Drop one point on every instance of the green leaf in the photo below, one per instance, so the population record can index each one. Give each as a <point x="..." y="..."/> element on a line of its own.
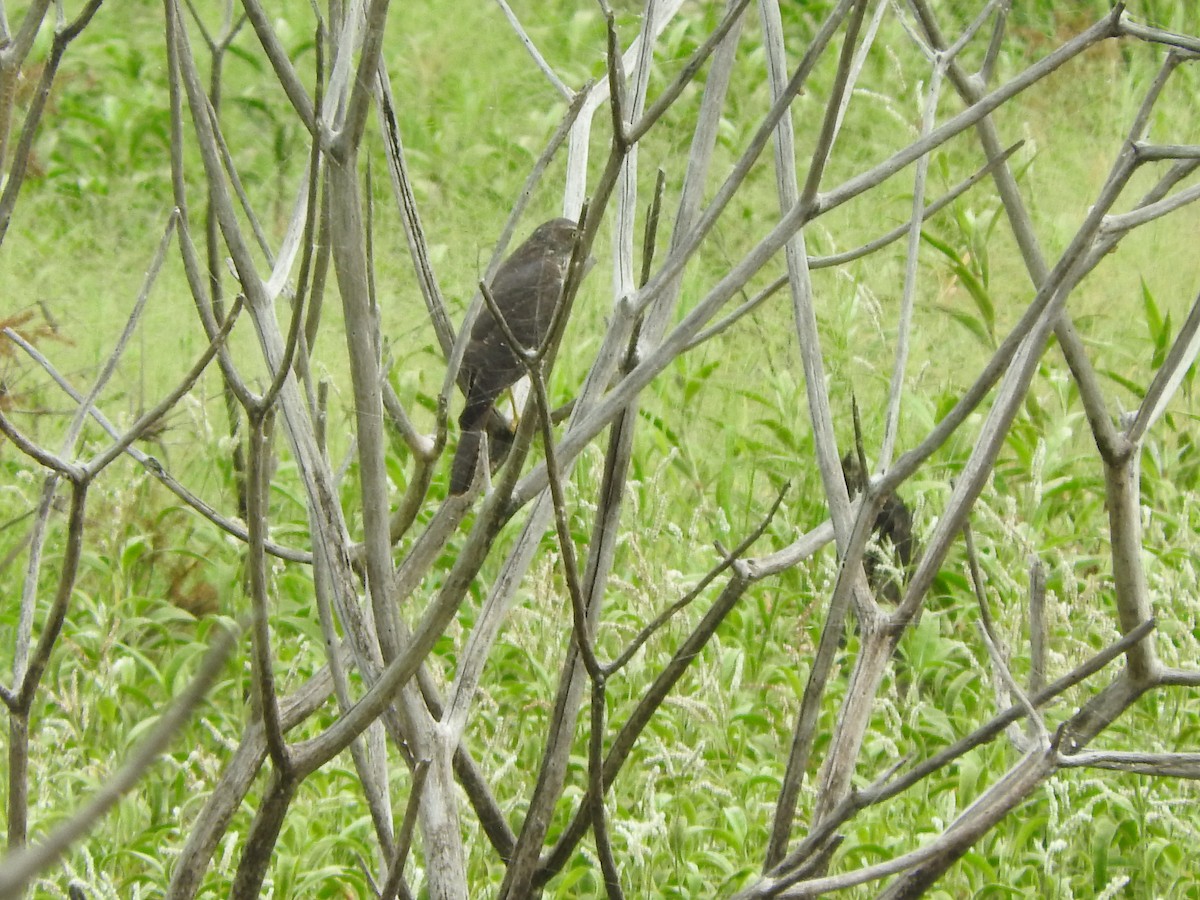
<point x="941" y="246"/>
<point x="969" y="322"/>
<point x="1129" y="384"/>
<point x="1154" y="320"/>
<point x="983" y="301"/>
<point x="1162" y="343"/>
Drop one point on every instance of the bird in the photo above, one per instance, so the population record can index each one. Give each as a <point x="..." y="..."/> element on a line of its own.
<point x="527" y="288"/>
<point x="892" y="526"/>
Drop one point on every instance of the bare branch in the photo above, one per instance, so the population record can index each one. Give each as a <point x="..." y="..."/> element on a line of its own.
<point x="622" y="743"/>
<point x="728" y="24"/>
<point x="1127" y="26"/>
<point x="1171" y="765"/>
<point x="20" y="46"/>
<point x="310" y="227"/>
<point x="258" y="851"/>
<point x="154" y="467"/>
<point x="608" y="865"/>
<point x="1037" y="625"/>
<point x="833" y="109"/>
<point x="230" y="790"/>
<point x="284" y="70"/>
<point x="407" y="202"/>
<point x="264" y="672"/>
<point x="982" y="735"/>
<point x="515" y="23"/>
<point x="38" y="454"/>
<point x="347" y="141"/>
<point x="21" y="866"/>
<point x="993" y="643"/>
<point x="728" y="559"/>
<point x="153" y="415"/>
<point x="391" y="573"/>
<point x="11" y="59"/>
<point x="394" y="886"/>
<point x="908" y="297"/>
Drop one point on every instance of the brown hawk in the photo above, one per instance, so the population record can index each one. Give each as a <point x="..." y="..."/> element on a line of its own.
<point x="526" y="288"/>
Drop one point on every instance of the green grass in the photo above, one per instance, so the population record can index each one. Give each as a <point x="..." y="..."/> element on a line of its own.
<point x="692" y="810"/>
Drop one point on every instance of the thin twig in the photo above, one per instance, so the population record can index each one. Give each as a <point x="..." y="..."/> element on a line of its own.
<point x="908" y="295"/>
<point x="394" y="885"/>
<point x="837" y="259"/>
<point x="13" y="56"/>
<point x="39" y="454"/>
<point x="1127" y="26"/>
<point x="996" y="44"/>
<point x="257" y="486"/>
<point x="838" y="90"/>
<point x="980" y="736"/>
<point x="295" y="329"/>
<point x="731" y="18"/>
<point x="1171" y="765"/>
<point x="652" y="698"/>
<point x="293" y="87"/>
<point x="21" y="866"/>
<point x="361" y="87"/>
<point x="562" y="525"/>
<point x="850" y="580"/>
<point x="992" y="642"/>
<point x="154" y="467"/>
<point x="1037" y="625"/>
<point x="727" y="560"/>
<point x="406" y="201"/>
<point x="146" y="421"/>
<point x="608" y="864"/>
<point x="540" y="61"/>
<point x="235" y="181"/>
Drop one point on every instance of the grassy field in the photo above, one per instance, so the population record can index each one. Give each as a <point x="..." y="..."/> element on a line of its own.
<point x="691" y="814"/>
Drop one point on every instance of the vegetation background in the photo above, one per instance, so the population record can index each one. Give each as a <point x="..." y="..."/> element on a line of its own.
<point x="155" y="577"/>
